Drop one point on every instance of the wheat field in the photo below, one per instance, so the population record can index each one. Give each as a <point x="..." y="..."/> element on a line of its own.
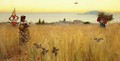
<point x="75" y="43"/>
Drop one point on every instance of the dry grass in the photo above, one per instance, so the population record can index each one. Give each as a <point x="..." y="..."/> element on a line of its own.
<point x="75" y="42"/>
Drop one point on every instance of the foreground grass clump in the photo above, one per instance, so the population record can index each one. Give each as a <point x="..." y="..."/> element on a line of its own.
<point x="75" y="43"/>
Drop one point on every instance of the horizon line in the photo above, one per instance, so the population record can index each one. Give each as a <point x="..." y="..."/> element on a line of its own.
<point x="62" y="11"/>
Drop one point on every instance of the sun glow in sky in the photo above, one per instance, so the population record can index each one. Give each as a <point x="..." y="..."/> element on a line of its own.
<point x="59" y="5"/>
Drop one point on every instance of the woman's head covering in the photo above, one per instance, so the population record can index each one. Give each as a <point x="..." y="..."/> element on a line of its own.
<point x="23" y="18"/>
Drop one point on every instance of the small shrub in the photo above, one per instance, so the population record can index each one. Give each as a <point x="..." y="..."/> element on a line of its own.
<point x="86" y="23"/>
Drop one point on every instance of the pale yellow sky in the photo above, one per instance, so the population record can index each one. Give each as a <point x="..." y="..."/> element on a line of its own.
<point x="59" y="5"/>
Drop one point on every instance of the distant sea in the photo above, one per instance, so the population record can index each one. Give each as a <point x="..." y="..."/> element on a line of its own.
<point x="54" y="17"/>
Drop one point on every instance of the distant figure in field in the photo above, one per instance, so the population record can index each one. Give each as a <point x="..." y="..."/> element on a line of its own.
<point x="24" y="32"/>
<point x="102" y="21"/>
<point x="104" y="18"/>
<point x="13" y="18"/>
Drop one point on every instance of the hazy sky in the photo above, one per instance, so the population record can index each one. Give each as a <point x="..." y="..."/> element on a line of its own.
<point x="59" y="5"/>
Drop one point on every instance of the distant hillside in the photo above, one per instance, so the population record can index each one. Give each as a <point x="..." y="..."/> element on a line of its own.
<point x="91" y="12"/>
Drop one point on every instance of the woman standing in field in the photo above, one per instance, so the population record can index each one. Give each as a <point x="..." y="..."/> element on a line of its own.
<point x="24" y="32"/>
